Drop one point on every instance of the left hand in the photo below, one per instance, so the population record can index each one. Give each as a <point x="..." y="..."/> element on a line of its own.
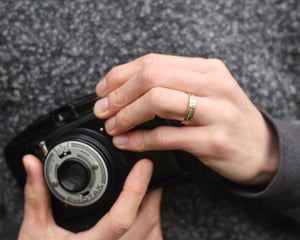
<point x="134" y="215"/>
<point x="227" y="132"/>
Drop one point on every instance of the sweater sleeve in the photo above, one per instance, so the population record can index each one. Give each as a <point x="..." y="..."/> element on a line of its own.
<point x="283" y="192"/>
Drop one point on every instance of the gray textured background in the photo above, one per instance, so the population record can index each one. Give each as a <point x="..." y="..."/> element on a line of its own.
<point x="54" y="51"/>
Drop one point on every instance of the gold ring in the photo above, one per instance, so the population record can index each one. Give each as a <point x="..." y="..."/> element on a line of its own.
<point x="191" y="109"/>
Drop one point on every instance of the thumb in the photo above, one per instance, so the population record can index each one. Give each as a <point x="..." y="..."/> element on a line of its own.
<point x="37" y="199"/>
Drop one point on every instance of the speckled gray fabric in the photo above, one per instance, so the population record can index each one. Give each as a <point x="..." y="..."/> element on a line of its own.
<point x="54" y="51"/>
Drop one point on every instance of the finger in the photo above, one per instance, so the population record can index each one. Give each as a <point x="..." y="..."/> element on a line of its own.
<point x="116" y="77"/>
<point x="148" y="219"/>
<point x="158" y="101"/>
<point x="170" y="138"/>
<point x="164" y="103"/>
<point x="37" y="200"/>
<point x="120" y="74"/>
<point x="123" y="213"/>
<point x="151" y="77"/>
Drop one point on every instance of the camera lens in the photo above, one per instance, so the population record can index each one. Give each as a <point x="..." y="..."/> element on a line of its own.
<point x="73" y="175"/>
<point x="76" y="173"/>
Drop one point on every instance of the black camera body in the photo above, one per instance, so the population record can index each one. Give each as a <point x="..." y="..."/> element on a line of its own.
<point x="83" y="170"/>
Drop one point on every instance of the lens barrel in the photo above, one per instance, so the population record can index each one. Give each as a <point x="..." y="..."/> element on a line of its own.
<point x="76" y="172"/>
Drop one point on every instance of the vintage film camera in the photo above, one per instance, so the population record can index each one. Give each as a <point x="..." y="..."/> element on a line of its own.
<point x="83" y="170"/>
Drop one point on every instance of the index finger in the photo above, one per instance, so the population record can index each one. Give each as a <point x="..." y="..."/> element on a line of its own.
<point x="123" y="213"/>
<point x="120" y="74"/>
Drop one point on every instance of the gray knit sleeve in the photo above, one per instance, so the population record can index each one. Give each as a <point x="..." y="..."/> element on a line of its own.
<point x="283" y="192"/>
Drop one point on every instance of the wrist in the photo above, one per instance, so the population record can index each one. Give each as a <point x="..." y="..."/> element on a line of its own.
<point x="269" y="163"/>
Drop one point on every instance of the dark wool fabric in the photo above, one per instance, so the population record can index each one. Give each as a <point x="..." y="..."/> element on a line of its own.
<point x="54" y="51"/>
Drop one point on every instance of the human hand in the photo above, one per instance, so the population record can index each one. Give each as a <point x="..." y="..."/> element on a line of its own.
<point x="227" y="132"/>
<point x="133" y="216"/>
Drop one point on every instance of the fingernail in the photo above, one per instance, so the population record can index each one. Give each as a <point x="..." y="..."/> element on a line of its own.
<point x="120" y="141"/>
<point x="146" y="170"/>
<point x="110" y="124"/>
<point x="101" y="87"/>
<point x="101" y="106"/>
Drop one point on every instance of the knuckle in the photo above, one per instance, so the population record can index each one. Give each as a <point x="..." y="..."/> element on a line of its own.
<point x="139" y="141"/>
<point x="31" y="196"/>
<point x="149" y="74"/>
<point x="154" y="97"/>
<point x="150" y="58"/>
<point x="217" y="63"/>
<point x="228" y="86"/>
<point x="117" y="99"/>
<point x="220" y="142"/>
<point x="114" y="73"/>
<point x="161" y="138"/>
<point x="199" y="60"/>
<point x="123" y="119"/>
<point x="121" y="225"/>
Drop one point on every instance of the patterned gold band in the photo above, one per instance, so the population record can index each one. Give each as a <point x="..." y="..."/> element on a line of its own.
<point x="191" y="109"/>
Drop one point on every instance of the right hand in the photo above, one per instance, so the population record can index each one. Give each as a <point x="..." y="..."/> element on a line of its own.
<point x="134" y="215"/>
<point x="227" y="133"/>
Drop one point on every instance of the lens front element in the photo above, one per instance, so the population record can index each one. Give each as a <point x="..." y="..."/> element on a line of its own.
<point x="73" y="175"/>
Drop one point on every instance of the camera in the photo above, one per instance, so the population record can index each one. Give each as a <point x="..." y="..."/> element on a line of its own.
<point x="82" y="169"/>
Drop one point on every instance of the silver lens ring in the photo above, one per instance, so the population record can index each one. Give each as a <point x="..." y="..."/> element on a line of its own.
<point x="96" y="166"/>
